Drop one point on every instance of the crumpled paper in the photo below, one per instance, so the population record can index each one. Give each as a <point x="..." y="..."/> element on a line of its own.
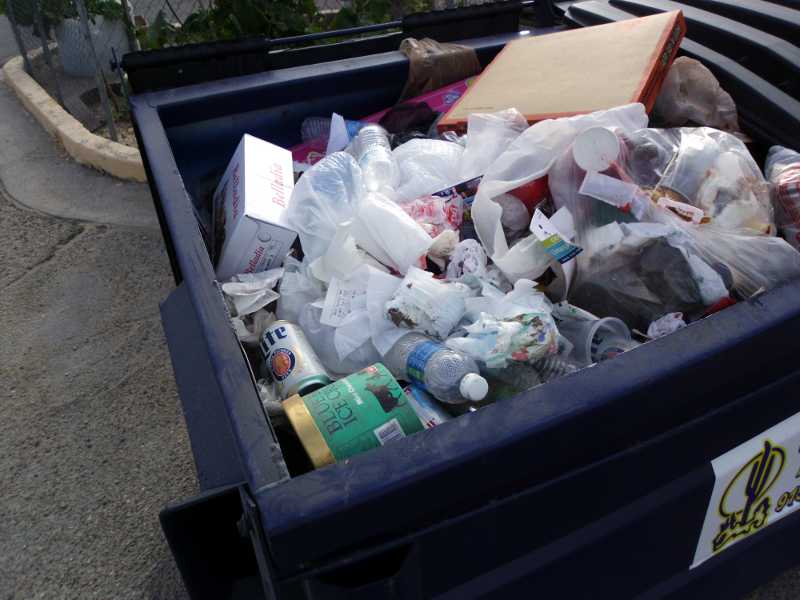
<point x="665" y="325"/>
<point x="248" y="292"/>
<point x="508" y="328"/>
<point x="423" y="303"/>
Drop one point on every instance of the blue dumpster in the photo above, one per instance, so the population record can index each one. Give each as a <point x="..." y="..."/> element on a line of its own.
<point x="595" y="485"/>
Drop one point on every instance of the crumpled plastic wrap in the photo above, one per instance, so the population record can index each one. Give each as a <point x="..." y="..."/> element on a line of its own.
<point x="250" y="327"/>
<point x="433" y="65"/>
<point x="525" y="339"/>
<point x="691" y="94"/>
<point x="423" y="303"/>
<point x="468" y="258"/>
<point x="436" y="214"/>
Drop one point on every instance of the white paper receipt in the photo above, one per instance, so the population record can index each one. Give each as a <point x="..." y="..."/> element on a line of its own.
<point x="342" y="299"/>
<point x="755" y="484"/>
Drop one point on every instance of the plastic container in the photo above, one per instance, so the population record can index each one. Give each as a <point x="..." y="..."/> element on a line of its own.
<point x="596" y="340"/>
<point x="590" y="485"/>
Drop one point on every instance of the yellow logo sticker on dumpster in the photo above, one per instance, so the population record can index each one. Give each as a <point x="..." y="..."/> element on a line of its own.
<point x="756" y="484"/>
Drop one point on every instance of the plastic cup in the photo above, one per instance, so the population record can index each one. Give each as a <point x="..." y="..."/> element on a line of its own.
<point x="596" y="149"/>
<point x="597" y="339"/>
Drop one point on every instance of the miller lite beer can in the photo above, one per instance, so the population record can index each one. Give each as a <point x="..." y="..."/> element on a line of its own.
<point x="291" y="361"/>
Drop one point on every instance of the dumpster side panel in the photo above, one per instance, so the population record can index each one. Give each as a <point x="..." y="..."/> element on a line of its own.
<point x="572" y="421"/>
<point x="255" y="441"/>
<point x="213" y="444"/>
<point x="613" y="522"/>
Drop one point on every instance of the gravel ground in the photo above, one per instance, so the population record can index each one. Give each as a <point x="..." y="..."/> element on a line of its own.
<point x="92" y="440"/>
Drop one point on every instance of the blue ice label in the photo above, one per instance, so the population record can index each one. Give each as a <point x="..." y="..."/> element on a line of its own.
<point x="418" y="359"/>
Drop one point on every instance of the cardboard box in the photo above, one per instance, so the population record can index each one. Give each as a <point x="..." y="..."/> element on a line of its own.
<point x="250" y="229"/>
<point x="575" y="72"/>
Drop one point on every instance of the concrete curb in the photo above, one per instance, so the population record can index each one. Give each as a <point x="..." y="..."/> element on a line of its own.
<point x="81" y="144"/>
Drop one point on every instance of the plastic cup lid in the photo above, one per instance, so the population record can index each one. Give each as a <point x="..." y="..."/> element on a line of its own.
<point x="596" y="149"/>
<point x="473" y="387"/>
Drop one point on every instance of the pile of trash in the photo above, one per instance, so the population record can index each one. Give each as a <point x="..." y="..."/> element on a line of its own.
<point x="437" y="273"/>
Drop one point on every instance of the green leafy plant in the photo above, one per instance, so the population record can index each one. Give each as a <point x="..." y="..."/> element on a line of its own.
<point x="55" y="11"/>
<point x="232" y="19"/>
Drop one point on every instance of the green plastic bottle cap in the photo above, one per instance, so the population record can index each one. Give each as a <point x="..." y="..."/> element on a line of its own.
<point x="473" y="387"/>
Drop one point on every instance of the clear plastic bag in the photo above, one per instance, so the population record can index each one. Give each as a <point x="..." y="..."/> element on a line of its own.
<point x="636" y="272"/>
<point x="426" y="166"/>
<point x="713" y="170"/>
<point x="783" y="172"/>
<point x="529" y="157"/>
<point x="297" y="289"/>
<point x="323" y="340"/>
<point x="325" y="196"/>
<point x="489" y="134"/>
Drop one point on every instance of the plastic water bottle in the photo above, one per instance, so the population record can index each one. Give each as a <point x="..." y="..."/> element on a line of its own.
<point x="374" y="155"/>
<point x="555" y="366"/>
<point x="449" y="375"/>
<point x="313" y="128"/>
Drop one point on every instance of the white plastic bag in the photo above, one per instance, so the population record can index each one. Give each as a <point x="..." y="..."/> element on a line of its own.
<point x="530" y="157"/>
<point x="325" y="196"/>
<point x="384" y="230"/>
<point x="488" y="136"/>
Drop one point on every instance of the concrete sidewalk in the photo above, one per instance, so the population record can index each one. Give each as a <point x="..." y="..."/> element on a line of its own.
<point x="92" y="439"/>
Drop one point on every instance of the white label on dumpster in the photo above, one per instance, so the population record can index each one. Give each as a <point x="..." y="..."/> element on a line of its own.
<point x="756" y="484"/>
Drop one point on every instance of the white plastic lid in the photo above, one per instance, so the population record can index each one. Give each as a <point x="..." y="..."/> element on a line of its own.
<point x="595" y="149"/>
<point x="473" y="387"/>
